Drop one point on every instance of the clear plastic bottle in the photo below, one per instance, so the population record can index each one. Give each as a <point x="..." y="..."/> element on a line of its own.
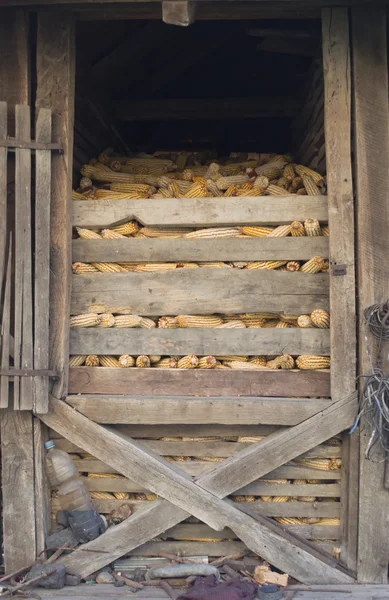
<point x="73" y="495"/>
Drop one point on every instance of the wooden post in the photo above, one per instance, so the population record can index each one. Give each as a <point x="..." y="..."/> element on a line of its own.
<point x="370" y="71"/>
<point x="55" y="90"/>
<point x="337" y="113"/>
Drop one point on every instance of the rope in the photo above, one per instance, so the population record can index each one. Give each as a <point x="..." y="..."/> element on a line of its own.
<point x="374" y="398"/>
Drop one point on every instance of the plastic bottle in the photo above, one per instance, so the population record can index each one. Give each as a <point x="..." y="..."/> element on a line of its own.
<point x="73" y="495"/>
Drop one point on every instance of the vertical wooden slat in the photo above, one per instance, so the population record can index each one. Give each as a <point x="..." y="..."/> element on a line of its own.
<point x="42" y="260"/>
<point x="23" y="276"/>
<point x="3" y="193"/>
<point x="337" y="112"/>
<point x="6" y="332"/>
<point x="371" y="120"/>
<point x="55" y="90"/>
<point x="42" y="486"/>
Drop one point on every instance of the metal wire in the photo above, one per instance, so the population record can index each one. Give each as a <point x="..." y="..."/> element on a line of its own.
<point x="374" y="398"/>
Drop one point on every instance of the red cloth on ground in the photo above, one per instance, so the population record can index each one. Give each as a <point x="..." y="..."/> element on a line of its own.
<point x="208" y="588"/>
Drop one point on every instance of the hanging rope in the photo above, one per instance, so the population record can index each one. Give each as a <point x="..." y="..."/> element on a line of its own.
<point x="374" y="400"/>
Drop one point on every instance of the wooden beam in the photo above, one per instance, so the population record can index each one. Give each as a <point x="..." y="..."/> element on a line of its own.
<point x="337" y="112"/>
<point x="371" y="136"/>
<point x="185" y="495"/>
<point x="174" y="109"/>
<point x="179" y="12"/>
<point x="226" y="410"/>
<point x="55" y="90"/>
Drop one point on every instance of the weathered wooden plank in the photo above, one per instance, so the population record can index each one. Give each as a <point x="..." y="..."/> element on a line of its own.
<point x="55" y="91"/>
<point x="184" y="291"/>
<point x="42" y="260"/>
<point x="23" y="280"/>
<point x="199" y="250"/>
<point x="187" y="531"/>
<point x="371" y="136"/>
<point x="202" y="342"/>
<point x="3" y="196"/>
<point x="201" y="212"/>
<point x="42" y="486"/>
<point x="223" y="409"/>
<point x="337" y="105"/>
<point x="6" y="330"/>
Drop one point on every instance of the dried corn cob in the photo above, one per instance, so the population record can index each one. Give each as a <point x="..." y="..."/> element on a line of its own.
<point x="87" y="234"/>
<point x="92" y="361"/>
<point x="314" y="265"/>
<point x="249" y="193"/>
<point x="258" y="360"/>
<point x="199" y="321"/>
<point x="143" y="362"/>
<point x="84" y="320"/>
<point x="109" y="267"/>
<point x="81" y="268"/>
<point x="240" y="264"/>
<point x="215" y="232"/>
<point x="76" y="360"/>
<point x="325" y="230"/>
<point x="212" y="188"/>
<point x="187" y="266"/>
<point x="320" y="318"/>
<point x="85" y="182"/>
<point x="293" y="265"/>
<point x="312" y="227"/>
<point x="168" y="322"/>
<point x="197" y="190"/>
<point x="261" y="182"/>
<point x="288" y="520"/>
<point x="310" y="186"/>
<point x="231" y="191"/>
<point x="297" y="184"/>
<point x="329" y="521"/>
<point x="269" y="323"/>
<point x="297" y="229"/>
<point x="301" y="192"/>
<point x="313" y="362"/>
<point x="126" y="361"/>
<point x="109" y="361"/>
<point x="171" y="232"/>
<point x="271" y="171"/>
<point x="326" y="266"/>
<point x="282" y="325"/>
<point x="275" y="498"/>
<point x="187" y="175"/>
<point x="207" y="362"/>
<point x="257" y="231"/>
<point x="232" y="325"/>
<point x="289" y="172"/>
<point x="147" y="323"/>
<point x="215" y="265"/>
<point x="304" y="321"/>
<point x="106" y="320"/>
<point x="275" y="190"/>
<point x="280" y="231"/>
<point x="321" y="464"/>
<point x="302" y="170"/>
<point x="289" y="318"/>
<point x="266" y="264"/>
<point x="283" y="182"/>
<point x="108" y="234"/>
<point x="230" y="358"/>
<point x="237" y="364"/>
<point x="223" y="183"/>
<point x="142" y="189"/>
<point x="102" y="173"/>
<point x="151" y="267"/>
<point x="188" y="362"/>
<point x="101" y="495"/>
<point x="166" y="363"/>
<point x="78" y="196"/>
<point x="127" y="321"/>
<point x="126" y="228"/>
<point x="154" y="359"/>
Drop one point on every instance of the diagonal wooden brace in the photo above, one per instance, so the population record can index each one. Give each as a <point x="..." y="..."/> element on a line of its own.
<point x="155" y="473"/>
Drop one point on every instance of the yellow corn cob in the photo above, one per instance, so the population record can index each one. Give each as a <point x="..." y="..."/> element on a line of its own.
<point x="326" y="266"/>
<point x="151" y="267"/>
<point x="258" y="360"/>
<point x="127" y="321"/>
<point x="84" y="320"/>
<point x="289" y="520"/>
<point x="271" y="171"/>
<point x="301" y="192"/>
<point x="329" y="521"/>
<point x="187" y="175"/>
<point x="320" y="318"/>
<point x="168" y="322"/>
<point x="297" y="229"/>
<point x="126" y="361"/>
<point x="174" y="190"/>
<point x="310" y="186"/>
<point x="275" y="363"/>
<point x="108" y="234"/>
<point x="292" y="319"/>
<point x="188" y="362"/>
<point x="289" y="172"/>
<point x="145" y="161"/>
<point x="302" y="170"/>
<point x="166" y="363"/>
<point x="245" y="317"/>
<point x="147" y="323"/>
<point x="199" y="321"/>
<point x="297" y="184"/>
<point x="313" y="362"/>
<point x="275" y="498"/>
<point x="249" y="193"/>
<point x="280" y="231"/>
<point x="171" y="232"/>
<point x="106" y="320"/>
<point x="76" y="361"/>
<point x="266" y="264"/>
<point x="321" y="464"/>
<point x="122" y="495"/>
<point x="109" y="361"/>
<point x="199" y="179"/>
<point x="213" y="189"/>
<point x="136" y="188"/>
<point x="282" y="325"/>
<point x="312" y="227"/>
<point x="237" y="364"/>
<point x="128" y="266"/>
<point x="143" y="361"/>
<point x="154" y="359"/>
<point x="269" y="323"/>
<point x="197" y="190"/>
<point x="261" y="182"/>
<point x="102" y="173"/>
<point x="223" y="183"/>
<point x="304" y="321"/>
<point x="231" y="358"/>
<point x="215" y="232"/>
<point x="243" y="498"/>
<point x="232" y="325"/>
<point x="219" y="365"/>
<point x="164" y="193"/>
<point x="215" y="265"/>
<point x="127" y="228"/>
<point x="314" y="265"/>
<point x="187" y="266"/>
<point x="207" y="362"/>
<point x="101" y="495"/>
<point x="293" y="265"/>
<point x="256" y="231"/>
<point x="85" y="182"/>
<point x="325" y="230"/>
<point x="110" y="195"/>
<point x="240" y="264"/>
<point x="283" y="182"/>
<point x="115" y="165"/>
<point x="286" y="361"/>
<point x="92" y="361"/>
<point x="231" y="191"/>
<point x="88" y="234"/>
<point x="81" y="268"/>
<point x="109" y="267"/>
<point x="78" y="196"/>
<point x="275" y="190"/>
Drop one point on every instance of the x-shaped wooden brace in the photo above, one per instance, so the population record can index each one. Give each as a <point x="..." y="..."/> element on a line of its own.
<point x="204" y="497"/>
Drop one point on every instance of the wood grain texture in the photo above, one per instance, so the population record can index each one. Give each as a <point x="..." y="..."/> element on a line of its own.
<point x="337" y="104"/>
<point x="55" y="91"/>
<point x="42" y="259"/>
<point x="202" y="342"/>
<point x="6" y="331"/>
<point x="370" y="71"/>
<point x="200" y="250"/>
<point x="204" y="212"/>
<point x="187" y="291"/>
<point x="223" y="383"/>
<point x="42" y="486"/>
<point x="3" y="196"/>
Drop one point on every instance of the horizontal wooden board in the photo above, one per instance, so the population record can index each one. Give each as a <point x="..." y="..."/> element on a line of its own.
<point x="187" y="531"/>
<point x="202" y="342"/>
<point x="245" y="409"/>
<point x="199" y="250"/>
<point x="188" y="291"/>
<point x="201" y="212"/>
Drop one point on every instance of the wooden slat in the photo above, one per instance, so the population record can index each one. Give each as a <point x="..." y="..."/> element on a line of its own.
<point x="204" y="212"/>
<point x="371" y="134"/>
<point x="3" y="196"/>
<point x="6" y="331"/>
<point x="187" y="291"/>
<point x="55" y="90"/>
<point x="42" y="260"/>
<point x="223" y="409"/>
<point x="42" y="486"/>
<point x="337" y="84"/>
<point x="224" y="383"/>
<point x="199" y="250"/>
<point x="94" y="340"/>
<point x="23" y="390"/>
<point x="187" y="531"/>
